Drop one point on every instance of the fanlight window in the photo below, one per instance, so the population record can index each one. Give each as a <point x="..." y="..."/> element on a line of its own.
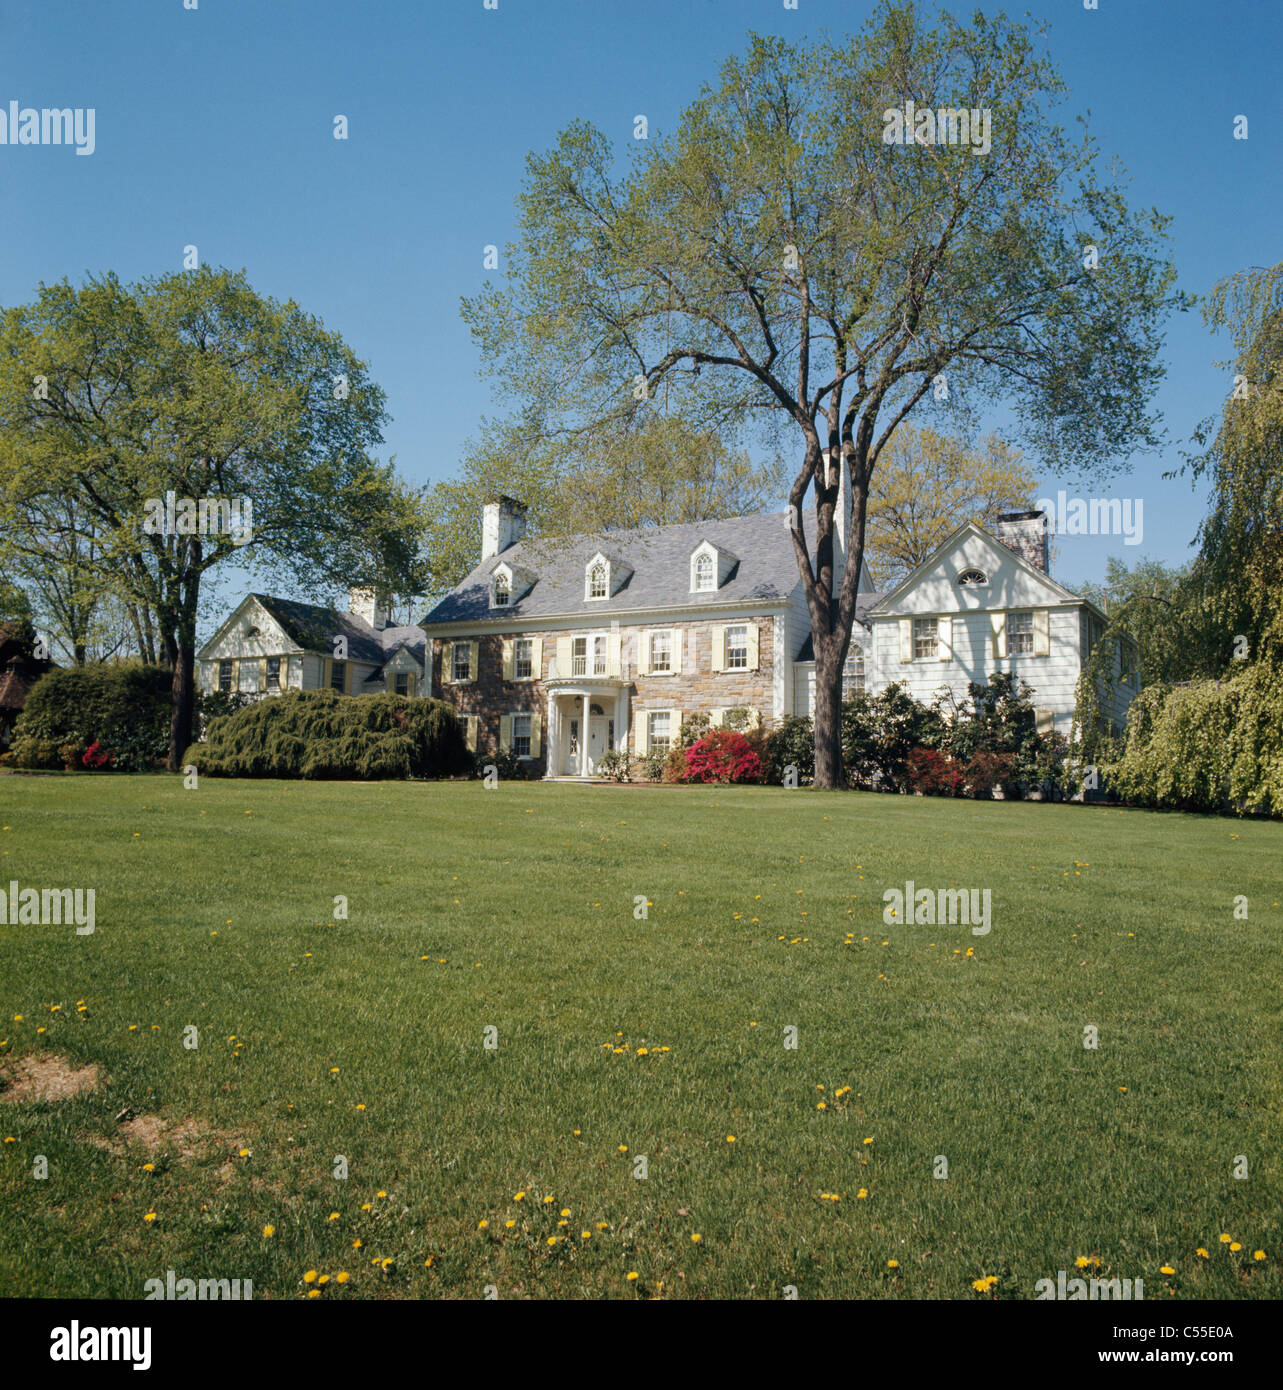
<point x="973" y="579"/>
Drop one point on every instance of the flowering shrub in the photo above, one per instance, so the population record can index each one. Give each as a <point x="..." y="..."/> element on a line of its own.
<point x="722" y="756"/>
<point x="933" y="773"/>
<point x="987" y="770"/>
<point x="96" y="756"/>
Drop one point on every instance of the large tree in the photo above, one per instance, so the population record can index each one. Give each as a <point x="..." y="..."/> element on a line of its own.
<point x="777" y="260"/>
<point x="113" y="397"/>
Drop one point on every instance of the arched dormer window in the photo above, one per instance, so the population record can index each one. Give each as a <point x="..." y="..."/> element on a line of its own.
<point x="502" y="591"/>
<point x="973" y="579"/>
<point x="598" y="580"/>
<point x="705" y="572"/>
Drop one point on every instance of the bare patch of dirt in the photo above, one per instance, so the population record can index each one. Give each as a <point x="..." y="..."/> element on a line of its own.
<point x="188" y="1138"/>
<point x="49" y="1076"/>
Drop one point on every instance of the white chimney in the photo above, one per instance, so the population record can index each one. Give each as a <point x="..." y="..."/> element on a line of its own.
<point x="503" y="523"/>
<point x="369" y="604"/>
<point x="1026" y="534"/>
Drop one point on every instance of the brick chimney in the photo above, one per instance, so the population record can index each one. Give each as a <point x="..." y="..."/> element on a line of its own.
<point x="503" y="523"/>
<point x="371" y="605"/>
<point x="1026" y="534"/>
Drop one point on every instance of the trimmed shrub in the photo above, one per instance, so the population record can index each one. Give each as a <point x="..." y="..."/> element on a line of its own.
<point x="124" y="709"/>
<point x="934" y="773"/>
<point x="615" y="764"/>
<point x="319" y="734"/>
<point x="722" y="756"/>
<point x="790" y="744"/>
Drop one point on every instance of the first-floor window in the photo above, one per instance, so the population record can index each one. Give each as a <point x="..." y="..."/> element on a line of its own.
<point x="462" y="660"/>
<point x="225" y="675"/>
<point x="522" y="657"/>
<point x="338" y="676"/>
<point x="521" y="735"/>
<point x="401" y="683"/>
<point x="273" y="672"/>
<point x="736" y="648"/>
<point x="1020" y="634"/>
<point x="659" y="732"/>
<point x="926" y="636"/>
<point x="661" y="652"/>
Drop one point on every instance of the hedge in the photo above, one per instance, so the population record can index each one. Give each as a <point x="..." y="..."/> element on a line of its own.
<point x="322" y="734"/>
<point x="123" y="708"/>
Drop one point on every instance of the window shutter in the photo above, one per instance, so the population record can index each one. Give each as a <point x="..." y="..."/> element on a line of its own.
<point x="470" y="731"/>
<point x="719" y="649"/>
<point x="535" y="723"/>
<point x="536" y="658"/>
<point x="613" y="667"/>
<point x="675" y="646"/>
<point x="639" y="733"/>
<point x="505" y="733"/>
<point x="565" y="659"/>
<point x="1042" y="632"/>
<point x="447" y="663"/>
<point x="262" y="673"/>
<point x="906" y="639"/>
<point x="643" y="653"/>
<point x="674" y="727"/>
<point x="507" y="659"/>
<point x="752" y="646"/>
<point x="409" y="684"/>
<point x="1046" y="720"/>
<point x="347" y="677"/>
<point x="474" y="653"/>
<point x="998" y="621"/>
<point x="944" y="639"/>
<point x="327" y="670"/>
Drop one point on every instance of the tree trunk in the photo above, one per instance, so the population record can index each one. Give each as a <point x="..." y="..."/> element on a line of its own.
<point x="828" y="718"/>
<point x="183" y="711"/>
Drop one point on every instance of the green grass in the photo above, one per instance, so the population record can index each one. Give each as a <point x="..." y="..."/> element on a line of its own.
<point x="214" y="908"/>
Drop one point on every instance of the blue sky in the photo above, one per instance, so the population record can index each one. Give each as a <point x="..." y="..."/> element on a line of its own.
<point x="214" y="127"/>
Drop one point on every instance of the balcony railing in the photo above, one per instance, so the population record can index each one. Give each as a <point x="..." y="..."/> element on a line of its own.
<point x="589" y="668"/>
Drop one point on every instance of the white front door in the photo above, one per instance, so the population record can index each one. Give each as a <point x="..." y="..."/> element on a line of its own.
<point x="570" y="767"/>
<point x="597" y="742"/>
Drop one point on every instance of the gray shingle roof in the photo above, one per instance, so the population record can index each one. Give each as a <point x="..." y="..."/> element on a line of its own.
<point x="312" y="626"/>
<point x="659" y="557"/>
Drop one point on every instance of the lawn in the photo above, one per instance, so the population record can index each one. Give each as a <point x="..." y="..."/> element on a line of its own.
<point x="768" y="1168"/>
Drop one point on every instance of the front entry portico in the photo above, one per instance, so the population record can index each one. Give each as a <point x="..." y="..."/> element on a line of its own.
<point x="586" y="718"/>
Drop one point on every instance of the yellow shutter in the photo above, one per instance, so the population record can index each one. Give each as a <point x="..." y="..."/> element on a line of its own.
<point x="1042" y="632"/>
<point x="327" y="669"/>
<point x="752" y="647"/>
<point x="535" y="744"/>
<point x="640" y="741"/>
<point x="906" y="639"/>
<point x="536" y="658"/>
<point x="998" y="621"/>
<point x="612" y="655"/>
<point x="643" y="653"/>
<point x="447" y="663"/>
<point x="409" y="684"/>
<point x="474" y="653"/>
<point x="944" y="639"/>
<point x="236" y="674"/>
<point x="262" y="673"/>
<point x="509" y="668"/>
<point x="676" y="639"/>
<point x="470" y="731"/>
<point x="1046" y="720"/>
<point x="565" y="657"/>
<point x="719" y="649"/>
<point x="505" y="733"/>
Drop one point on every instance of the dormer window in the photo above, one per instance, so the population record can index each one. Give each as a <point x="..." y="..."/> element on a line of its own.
<point x="598" y="580"/>
<point x="710" y="567"/>
<point x="705" y="572"/>
<point x="502" y="591"/>
<point x="973" y="579"/>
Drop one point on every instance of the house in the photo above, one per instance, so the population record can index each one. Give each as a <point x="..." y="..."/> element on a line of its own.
<point x="557" y="650"/>
<point x="272" y="644"/>
<point x="20" y="669"/>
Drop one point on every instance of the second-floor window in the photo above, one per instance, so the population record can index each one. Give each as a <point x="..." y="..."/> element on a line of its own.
<point x="926" y="639"/>
<point x="737" y="648"/>
<point x="522" y="657"/>
<point x="225" y="675"/>
<point x="588" y="656"/>
<point x="661" y="652"/>
<point x="462" y="656"/>
<point x="1020" y="634"/>
<point x="338" y="676"/>
<point x="273" y="672"/>
<point x="856" y="663"/>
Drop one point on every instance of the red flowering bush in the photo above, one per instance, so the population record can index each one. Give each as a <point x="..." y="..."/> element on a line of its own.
<point x="95" y="756"/>
<point x="722" y="756"/>
<point x="933" y="773"/>
<point x="987" y="770"/>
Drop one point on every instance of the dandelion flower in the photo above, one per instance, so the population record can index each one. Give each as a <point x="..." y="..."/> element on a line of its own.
<point x="632" y="1276"/>
<point x="268" y="1232"/>
<point x="310" y="1277"/>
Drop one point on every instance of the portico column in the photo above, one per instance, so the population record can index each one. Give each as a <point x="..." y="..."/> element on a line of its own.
<point x="583" y="739"/>
<point x="552" y="760"/>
